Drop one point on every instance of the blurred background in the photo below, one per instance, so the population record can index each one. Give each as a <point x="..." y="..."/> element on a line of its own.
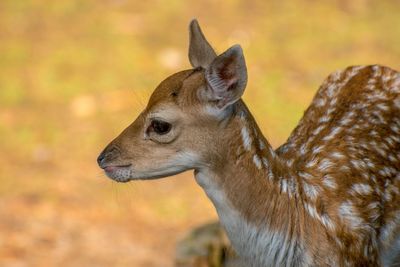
<point x="74" y="73"/>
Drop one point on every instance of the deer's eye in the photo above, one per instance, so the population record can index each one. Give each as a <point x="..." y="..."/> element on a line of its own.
<point x="160" y="127"/>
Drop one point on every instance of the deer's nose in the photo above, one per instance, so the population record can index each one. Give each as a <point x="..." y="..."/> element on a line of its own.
<point x="100" y="158"/>
<point x="108" y="154"/>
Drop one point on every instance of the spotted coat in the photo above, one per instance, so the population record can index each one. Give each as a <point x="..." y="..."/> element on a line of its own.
<point x="345" y="157"/>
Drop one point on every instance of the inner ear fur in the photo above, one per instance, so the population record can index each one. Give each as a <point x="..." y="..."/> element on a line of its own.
<point x="227" y="77"/>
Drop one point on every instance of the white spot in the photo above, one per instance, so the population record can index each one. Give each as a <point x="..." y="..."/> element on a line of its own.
<point x="290" y="162"/>
<point x="271" y="151"/>
<point x="284" y="185"/>
<point x="347" y="119"/>
<point x="246" y="138"/>
<point x="317" y="149"/>
<point x="379" y="116"/>
<point x="331" y="110"/>
<point x="395" y="138"/>
<point x="374" y="210"/>
<point x="325" y="164"/>
<point x="305" y="175"/>
<point x="303" y="149"/>
<point x="380" y="151"/>
<point x="328" y="181"/>
<point x="382" y="106"/>
<point x="395" y="128"/>
<point x="396" y="84"/>
<point x="392" y="158"/>
<point x="349" y="215"/>
<point x="362" y="189"/>
<point x="370" y="164"/>
<point x="389" y="141"/>
<point x="358" y="164"/>
<point x="320" y="102"/>
<point x="312" y="162"/>
<point x="355" y="70"/>
<point x="374" y="133"/>
<point x="386" y="78"/>
<point x="262" y="145"/>
<point x="337" y="155"/>
<point x="387" y="171"/>
<point x="338" y="241"/>
<point x="332" y="134"/>
<point x="394" y="189"/>
<point x="336" y="75"/>
<point x="270" y="174"/>
<point x="265" y="162"/>
<point x="257" y="161"/>
<point x="331" y="89"/>
<point x="327" y="222"/>
<point x="396" y="102"/>
<point x="311" y="191"/>
<point x="319" y="129"/>
<point x="387" y="196"/>
<point x="311" y="210"/>
<point x="324" y="219"/>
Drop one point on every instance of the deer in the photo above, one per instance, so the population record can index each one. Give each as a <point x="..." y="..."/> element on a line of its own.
<point x="328" y="196"/>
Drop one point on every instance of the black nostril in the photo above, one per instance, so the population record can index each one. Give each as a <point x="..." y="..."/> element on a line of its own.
<point x="108" y="154"/>
<point x="100" y="158"/>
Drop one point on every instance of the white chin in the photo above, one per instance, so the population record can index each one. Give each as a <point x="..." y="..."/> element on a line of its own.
<point x="122" y="175"/>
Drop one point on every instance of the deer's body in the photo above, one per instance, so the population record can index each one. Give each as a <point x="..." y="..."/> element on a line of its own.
<point x="346" y="152"/>
<point x="330" y="196"/>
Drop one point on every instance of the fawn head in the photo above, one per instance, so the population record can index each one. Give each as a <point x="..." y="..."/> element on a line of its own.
<point x="184" y="118"/>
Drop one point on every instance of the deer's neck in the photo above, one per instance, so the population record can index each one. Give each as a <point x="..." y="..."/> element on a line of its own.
<point x="254" y="194"/>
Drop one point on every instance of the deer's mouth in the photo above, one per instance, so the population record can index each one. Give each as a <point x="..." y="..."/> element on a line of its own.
<point x="119" y="173"/>
<point x="113" y="168"/>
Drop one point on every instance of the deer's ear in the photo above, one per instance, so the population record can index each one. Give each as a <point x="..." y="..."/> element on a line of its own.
<point x="227" y="77"/>
<point x="201" y="54"/>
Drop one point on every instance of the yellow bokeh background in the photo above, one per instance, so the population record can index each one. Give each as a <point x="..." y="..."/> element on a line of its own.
<point x="74" y="73"/>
